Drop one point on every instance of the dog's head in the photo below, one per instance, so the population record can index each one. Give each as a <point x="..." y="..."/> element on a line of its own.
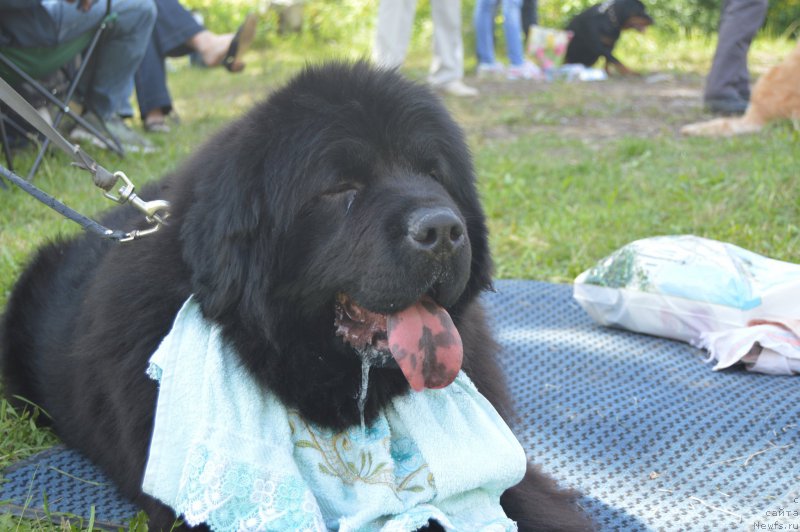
<point x="339" y="217"/>
<point x="633" y="15"/>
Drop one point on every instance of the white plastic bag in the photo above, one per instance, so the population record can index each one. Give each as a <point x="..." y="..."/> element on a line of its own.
<point x="683" y="286"/>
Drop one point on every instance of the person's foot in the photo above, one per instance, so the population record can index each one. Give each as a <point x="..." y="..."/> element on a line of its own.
<point x="225" y="49"/>
<point x="727" y="105"/>
<point x="458" y="88"/>
<point x="490" y="70"/>
<point x="157" y="121"/>
<point x="526" y="70"/>
<point x="211" y="47"/>
<point x="129" y="140"/>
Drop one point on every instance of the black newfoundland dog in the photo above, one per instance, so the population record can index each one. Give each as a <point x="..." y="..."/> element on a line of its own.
<point x="302" y="229"/>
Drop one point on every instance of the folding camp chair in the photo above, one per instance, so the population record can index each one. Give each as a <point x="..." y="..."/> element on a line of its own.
<point x="18" y="65"/>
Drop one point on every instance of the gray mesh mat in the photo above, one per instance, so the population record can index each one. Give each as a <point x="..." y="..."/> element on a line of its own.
<point x="642" y="426"/>
<point x="60" y="484"/>
<point x="651" y="436"/>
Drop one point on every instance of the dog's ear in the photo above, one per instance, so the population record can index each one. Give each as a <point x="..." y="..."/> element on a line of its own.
<point x="227" y="227"/>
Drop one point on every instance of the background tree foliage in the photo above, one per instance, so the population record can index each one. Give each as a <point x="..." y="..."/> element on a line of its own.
<point x="677" y="16"/>
<point x="353" y="20"/>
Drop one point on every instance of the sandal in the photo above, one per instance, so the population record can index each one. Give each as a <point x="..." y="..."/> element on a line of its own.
<point x="156" y="125"/>
<point x="240" y="44"/>
<point x="162" y="123"/>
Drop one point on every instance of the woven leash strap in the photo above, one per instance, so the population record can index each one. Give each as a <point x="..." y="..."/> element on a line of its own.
<point x="155" y="211"/>
<point x="86" y="223"/>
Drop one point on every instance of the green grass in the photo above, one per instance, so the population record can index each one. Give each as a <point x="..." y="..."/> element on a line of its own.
<point x="567" y="172"/>
<point x="574" y="209"/>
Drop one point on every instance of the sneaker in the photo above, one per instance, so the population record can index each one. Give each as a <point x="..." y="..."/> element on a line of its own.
<point x="490" y="70"/>
<point x="458" y="88"/>
<point x="526" y="70"/>
<point x="129" y="140"/>
<point x="728" y="105"/>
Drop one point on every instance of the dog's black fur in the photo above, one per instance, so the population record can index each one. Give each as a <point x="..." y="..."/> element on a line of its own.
<point x="307" y="196"/>
<point x="597" y="29"/>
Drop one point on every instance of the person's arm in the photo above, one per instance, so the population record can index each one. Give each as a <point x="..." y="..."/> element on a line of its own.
<point x="83" y="5"/>
<point x="18" y="4"/>
<point x="8" y="6"/>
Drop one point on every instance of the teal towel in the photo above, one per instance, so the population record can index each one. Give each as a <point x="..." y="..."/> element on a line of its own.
<point x="228" y="453"/>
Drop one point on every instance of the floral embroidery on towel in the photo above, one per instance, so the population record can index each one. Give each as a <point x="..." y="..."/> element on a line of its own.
<point x="369" y="456"/>
<point x="410" y="468"/>
<point x="237" y="496"/>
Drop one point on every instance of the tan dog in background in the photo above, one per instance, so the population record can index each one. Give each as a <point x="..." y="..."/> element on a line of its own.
<point x="776" y="95"/>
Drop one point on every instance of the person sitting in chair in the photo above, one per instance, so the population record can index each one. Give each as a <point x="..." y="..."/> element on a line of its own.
<point x="177" y="33"/>
<point x="49" y="23"/>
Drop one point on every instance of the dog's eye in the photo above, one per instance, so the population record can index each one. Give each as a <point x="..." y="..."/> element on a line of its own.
<point x="345" y="193"/>
<point x="350" y="197"/>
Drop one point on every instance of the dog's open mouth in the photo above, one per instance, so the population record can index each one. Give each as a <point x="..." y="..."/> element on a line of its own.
<point x="422" y="339"/>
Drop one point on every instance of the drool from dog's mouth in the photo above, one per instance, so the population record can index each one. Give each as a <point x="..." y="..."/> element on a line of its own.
<point x="421" y="339"/>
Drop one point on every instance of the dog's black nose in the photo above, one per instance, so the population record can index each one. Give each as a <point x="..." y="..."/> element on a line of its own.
<point x="436" y="230"/>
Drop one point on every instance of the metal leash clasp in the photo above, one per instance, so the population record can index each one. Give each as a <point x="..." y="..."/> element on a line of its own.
<point x="156" y="212"/>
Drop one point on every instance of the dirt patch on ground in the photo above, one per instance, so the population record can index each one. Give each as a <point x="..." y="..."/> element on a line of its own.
<point x="647" y="106"/>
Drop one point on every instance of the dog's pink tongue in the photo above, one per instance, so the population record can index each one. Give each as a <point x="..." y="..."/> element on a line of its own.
<point x="425" y="344"/>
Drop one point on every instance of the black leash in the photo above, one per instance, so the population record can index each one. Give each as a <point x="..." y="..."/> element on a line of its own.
<point x="155" y="212"/>
<point x="87" y="223"/>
